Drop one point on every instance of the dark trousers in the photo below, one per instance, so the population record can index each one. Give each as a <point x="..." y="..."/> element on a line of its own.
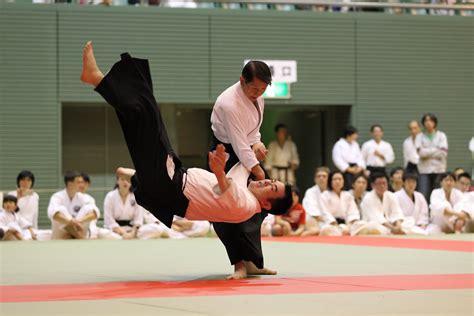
<point x="242" y="241"/>
<point x="376" y="169"/>
<point x="348" y="178"/>
<point x="128" y="89"/>
<point x="411" y="168"/>
<point x="427" y="183"/>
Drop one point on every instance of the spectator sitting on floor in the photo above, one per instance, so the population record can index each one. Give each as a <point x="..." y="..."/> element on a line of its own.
<point x="359" y="189"/>
<point x="311" y="201"/>
<point x="70" y="211"/>
<point x="15" y="227"/>
<point x="190" y="228"/>
<point x="442" y="204"/>
<point x="292" y="223"/>
<point x="396" y="179"/>
<point x="466" y="206"/>
<point x="463" y="182"/>
<point x="28" y="200"/>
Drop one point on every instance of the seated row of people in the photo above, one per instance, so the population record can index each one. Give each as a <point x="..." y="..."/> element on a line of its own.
<point x="329" y="210"/>
<point x="74" y="214"/>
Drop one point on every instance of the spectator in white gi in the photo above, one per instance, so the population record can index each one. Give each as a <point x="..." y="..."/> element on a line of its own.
<point x="28" y="200"/>
<point x="463" y="182"/>
<point x="432" y="147"/>
<point x="442" y="204"/>
<point x="282" y="159"/>
<point x="376" y="152"/>
<point x="70" y="211"/>
<point x="15" y="227"/>
<point x="413" y="203"/>
<point x="347" y="157"/>
<point x="382" y="207"/>
<point x="359" y="189"/>
<point x="396" y="179"/>
<point x="410" y="154"/>
<point x="340" y="213"/>
<point x="311" y="201"/>
<point x="466" y="206"/>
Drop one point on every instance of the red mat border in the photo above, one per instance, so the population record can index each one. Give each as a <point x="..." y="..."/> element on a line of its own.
<point x="424" y="244"/>
<point x="267" y="286"/>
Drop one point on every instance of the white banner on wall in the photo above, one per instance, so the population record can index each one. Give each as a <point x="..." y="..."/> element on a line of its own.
<point x="282" y="70"/>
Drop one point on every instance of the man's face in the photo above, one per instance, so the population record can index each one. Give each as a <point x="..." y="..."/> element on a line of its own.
<point x="380" y="185"/>
<point x="253" y="89"/>
<point x="463" y="184"/>
<point x="414" y="128"/>
<point x="267" y="189"/>
<point x="360" y="185"/>
<point x="25" y="183"/>
<point x="377" y="134"/>
<point x="410" y="185"/>
<point x="76" y="185"/>
<point x="81" y="185"/>
<point x="447" y="184"/>
<point x="321" y="179"/>
<point x="282" y="135"/>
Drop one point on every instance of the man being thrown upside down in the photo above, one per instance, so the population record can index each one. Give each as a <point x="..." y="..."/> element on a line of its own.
<point x="163" y="185"/>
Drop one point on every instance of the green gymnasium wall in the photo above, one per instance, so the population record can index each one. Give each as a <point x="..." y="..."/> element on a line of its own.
<point x="389" y="68"/>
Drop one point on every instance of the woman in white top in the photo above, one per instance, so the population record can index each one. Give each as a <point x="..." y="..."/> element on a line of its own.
<point x="359" y="189"/>
<point x="28" y="200"/>
<point x="432" y="147"/>
<point x="442" y="205"/>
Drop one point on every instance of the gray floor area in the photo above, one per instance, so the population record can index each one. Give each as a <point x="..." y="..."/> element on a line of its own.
<point x="107" y="261"/>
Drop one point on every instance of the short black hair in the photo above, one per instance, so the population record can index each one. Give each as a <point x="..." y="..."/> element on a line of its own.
<point x="376" y="175"/>
<point x="464" y="175"/>
<point x="410" y="176"/>
<point x="359" y="175"/>
<point x="70" y="176"/>
<point x="282" y="205"/>
<point x="279" y="126"/>
<point x="296" y="190"/>
<point x="331" y="175"/>
<point x="375" y="126"/>
<point x="10" y="198"/>
<point x="350" y="130"/>
<point x="430" y="116"/>
<point x="395" y="170"/>
<point x="257" y="69"/>
<point x="24" y="175"/>
<point x="445" y="175"/>
<point x="86" y="177"/>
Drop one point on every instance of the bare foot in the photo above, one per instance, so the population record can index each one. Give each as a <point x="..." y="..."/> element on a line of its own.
<point x="240" y="272"/>
<point x="91" y="74"/>
<point x="125" y="173"/>
<point x="253" y="270"/>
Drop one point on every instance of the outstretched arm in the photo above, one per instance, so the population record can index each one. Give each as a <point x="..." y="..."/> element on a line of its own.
<point x="217" y="161"/>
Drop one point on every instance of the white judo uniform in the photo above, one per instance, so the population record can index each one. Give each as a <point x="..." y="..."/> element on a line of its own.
<point x="369" y="148"/>
<point x="387" y="210"/>
<point x="77" y="208"/>
<point x="311" y="205"/>
<point x="438" y="203"/>
<point x="15" y="221"/>
<point x="416" y="211"/>
<point x="343" y="207"/>
<point x="115" y="209"/>
<point x="28" y="205"/>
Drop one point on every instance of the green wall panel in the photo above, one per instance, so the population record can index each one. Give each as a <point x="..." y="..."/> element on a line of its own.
<point x="29" y="111"/>
<point x="322" y="45"/>
<point x="176" y="46"/>
<point x="407" y="66"/>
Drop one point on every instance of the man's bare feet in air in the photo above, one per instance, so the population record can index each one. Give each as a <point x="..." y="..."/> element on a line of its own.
<point x="90" y="74"/>
<point x="253" y="270"/>
<point x="240" y="272"/>
<point x="125" y="173"/>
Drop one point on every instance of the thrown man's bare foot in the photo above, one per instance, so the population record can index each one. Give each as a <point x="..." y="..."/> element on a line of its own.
<point x="253" y="270"/>
<point x="240" y="272"/>
<point x="91" y="73"/>
<point x="125" y="173"/>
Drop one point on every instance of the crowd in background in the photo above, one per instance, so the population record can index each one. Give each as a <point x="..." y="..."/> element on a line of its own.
<point x="191" y="4"/>
<point x="359" y="197"/>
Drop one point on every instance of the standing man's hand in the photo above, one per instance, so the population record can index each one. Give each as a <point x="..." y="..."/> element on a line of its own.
<point x="260" y="151"/>
<point x="258" y="172"/>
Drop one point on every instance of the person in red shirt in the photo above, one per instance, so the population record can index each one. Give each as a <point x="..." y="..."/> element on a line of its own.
<point x="291" y="223"/>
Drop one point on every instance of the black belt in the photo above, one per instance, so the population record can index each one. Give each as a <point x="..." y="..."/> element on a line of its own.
<point x="124" y="222"/>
